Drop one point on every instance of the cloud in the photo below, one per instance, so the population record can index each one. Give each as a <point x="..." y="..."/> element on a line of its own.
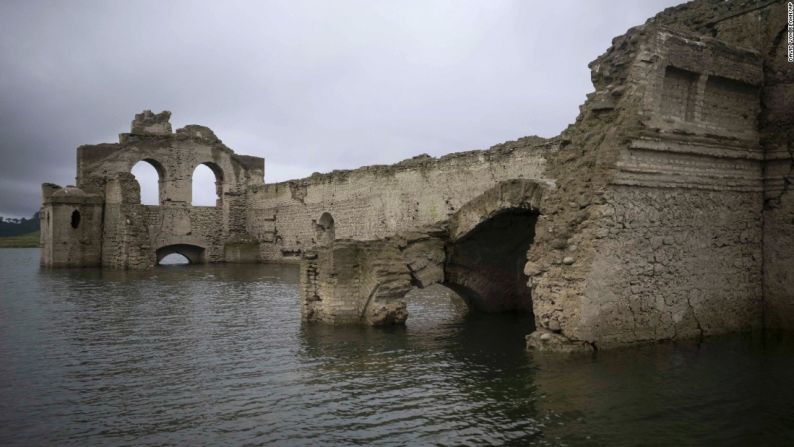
<point x="309" y="85"/>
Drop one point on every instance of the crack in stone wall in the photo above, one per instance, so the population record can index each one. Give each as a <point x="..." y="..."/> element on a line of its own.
<point x="665" y="211"/>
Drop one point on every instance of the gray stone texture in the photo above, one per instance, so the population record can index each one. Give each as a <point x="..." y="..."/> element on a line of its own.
<point x="662" y="213"/>
<point x="126" y="234"/>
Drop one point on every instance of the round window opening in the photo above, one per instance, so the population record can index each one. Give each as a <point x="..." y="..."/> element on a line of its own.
<point x="75" y="219"/>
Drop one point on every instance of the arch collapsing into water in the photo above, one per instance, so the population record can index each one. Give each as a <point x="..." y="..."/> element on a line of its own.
<point x="486" y="265"/>
<point x="489" y="240"/>
<point x="480" y="252"/>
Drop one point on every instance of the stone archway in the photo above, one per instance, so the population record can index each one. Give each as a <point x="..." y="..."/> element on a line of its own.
<point x="480" y="251"/>
<point x="488" y="242"/>
<point x="486" y="265"/>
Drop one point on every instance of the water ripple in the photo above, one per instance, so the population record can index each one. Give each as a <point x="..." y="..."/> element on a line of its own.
<point x="217" y="355"/>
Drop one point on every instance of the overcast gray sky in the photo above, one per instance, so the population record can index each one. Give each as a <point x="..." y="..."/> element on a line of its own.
<point x="309" y="85"/>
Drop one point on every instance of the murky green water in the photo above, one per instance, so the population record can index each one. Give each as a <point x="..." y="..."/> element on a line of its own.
<point x="216" y="355"/>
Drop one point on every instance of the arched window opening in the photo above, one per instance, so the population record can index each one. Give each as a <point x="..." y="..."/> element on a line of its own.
<point x="206" y="185"/>
<point x="75" y="219"/>
<point x="174" y="259"/>
<point x="148" y="175"/>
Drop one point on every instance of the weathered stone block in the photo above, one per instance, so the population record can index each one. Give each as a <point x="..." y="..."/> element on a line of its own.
<point x="148" y="123"/>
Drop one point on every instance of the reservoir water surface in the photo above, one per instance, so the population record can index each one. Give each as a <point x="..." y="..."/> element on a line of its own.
<point x="218" y="355"/>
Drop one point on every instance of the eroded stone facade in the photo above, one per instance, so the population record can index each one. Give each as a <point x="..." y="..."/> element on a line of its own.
<point x="668" y="196"/>
<point x="122" y="233"/>
<point x="663" y="212"/>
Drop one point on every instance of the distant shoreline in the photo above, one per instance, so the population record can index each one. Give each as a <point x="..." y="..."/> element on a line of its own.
<point x="29" y="240"/>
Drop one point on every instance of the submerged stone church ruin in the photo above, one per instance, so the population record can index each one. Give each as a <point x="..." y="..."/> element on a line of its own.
<point x="664" y="212"/>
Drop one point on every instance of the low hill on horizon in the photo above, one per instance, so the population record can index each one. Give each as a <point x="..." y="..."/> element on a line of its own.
<point x="17" y="227"/>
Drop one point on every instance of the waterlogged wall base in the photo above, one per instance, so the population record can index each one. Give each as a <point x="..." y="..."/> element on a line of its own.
<point x="662" y="213"/>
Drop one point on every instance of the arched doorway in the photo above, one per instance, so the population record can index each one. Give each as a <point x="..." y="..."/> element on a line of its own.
<point x="206" y="185"/>
<point x="485" y="265"/>
<point x="149" y="174"/>
<point x="193" y="253"/>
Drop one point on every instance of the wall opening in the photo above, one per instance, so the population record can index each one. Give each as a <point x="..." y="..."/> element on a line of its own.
<point x="207" y="185"/>
<point x="486" y="266"/>
<point x="75" y="219"/>
<point x="149" y="175"/>
<point x="174" y="259"/>
<point x="325" y="229"/>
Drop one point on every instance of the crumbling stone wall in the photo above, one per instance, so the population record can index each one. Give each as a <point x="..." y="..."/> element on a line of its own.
<point x="654" y="230"/>
<point x="668" y="242"/>
<point x="350" y="281"/>
<point x="368" y="281"/>
<point x="761" y="26"/>
<point x="378" y="201"/>
<point x="130" y="235"/>
<point x="354" y="281"/>
<point x="675" y="264"/>
<point x="663" y="212"/>
<point x="73" y="218"/>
